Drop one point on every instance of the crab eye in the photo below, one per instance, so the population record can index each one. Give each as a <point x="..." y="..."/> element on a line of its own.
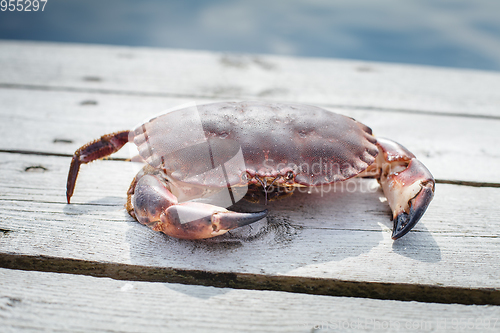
<point x="246" y="177"/>
<point x="289" y="175"/>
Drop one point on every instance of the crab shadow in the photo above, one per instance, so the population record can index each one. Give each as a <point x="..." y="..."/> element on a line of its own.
<point x="198" y="292"/>
<point x="418" y="245"/>
<point x="101" y="207"/>
<point x="305" y="229"/>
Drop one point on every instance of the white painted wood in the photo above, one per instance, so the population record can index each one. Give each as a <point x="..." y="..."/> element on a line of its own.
<point x="40" y="122"/>
<point x="54" y="93"/>
<point x="342" y="236"/>
<point x="196" y="74"/>
<point x="35" y="301"/>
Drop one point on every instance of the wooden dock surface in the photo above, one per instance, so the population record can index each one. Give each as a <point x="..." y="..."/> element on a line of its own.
<point x="319" y="261"/>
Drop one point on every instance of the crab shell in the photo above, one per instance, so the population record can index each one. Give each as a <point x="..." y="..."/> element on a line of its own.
<point x="299" y="145"/>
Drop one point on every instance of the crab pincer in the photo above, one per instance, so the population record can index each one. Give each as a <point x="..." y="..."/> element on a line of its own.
<point x="407" y="184"/>
<point x="155" y="206"/>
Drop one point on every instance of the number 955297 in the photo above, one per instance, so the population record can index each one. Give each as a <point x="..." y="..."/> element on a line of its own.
<point x="22" y="5"/>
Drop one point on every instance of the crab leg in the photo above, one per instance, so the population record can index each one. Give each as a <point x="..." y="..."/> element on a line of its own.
<point x="407" y="184"/>
<point x="105" y="146"/>
<point x="155" y="206"/>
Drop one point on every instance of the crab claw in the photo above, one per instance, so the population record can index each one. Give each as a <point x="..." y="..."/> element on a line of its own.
<point x="404" y="222"/>
<point x="193" y="220"/>
<point x="155" y="206"/>
<point x="407" y="184"/>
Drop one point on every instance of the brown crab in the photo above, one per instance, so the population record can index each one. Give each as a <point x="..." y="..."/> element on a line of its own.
<point x="202" y="159"/>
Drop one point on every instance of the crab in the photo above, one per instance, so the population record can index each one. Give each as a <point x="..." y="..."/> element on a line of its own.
<point x="200" y="160"/>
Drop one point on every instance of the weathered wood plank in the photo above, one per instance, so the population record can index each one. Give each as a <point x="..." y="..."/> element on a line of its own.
<point x="343" y="236"/>
<point x="195" y="74"/>
<point x="46" y="121"/>
<point x="35" y="301"/>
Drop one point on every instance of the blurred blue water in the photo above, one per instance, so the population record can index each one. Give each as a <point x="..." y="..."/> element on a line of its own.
<point x="453" y="33"/>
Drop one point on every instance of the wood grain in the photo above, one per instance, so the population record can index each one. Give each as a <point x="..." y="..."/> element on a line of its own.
<point x="56" y="97"/>
<point x="195" y="74"/>
<point x="35" y="301"/>
<point x="60" y="122"/>
<point x="341" y="235"/>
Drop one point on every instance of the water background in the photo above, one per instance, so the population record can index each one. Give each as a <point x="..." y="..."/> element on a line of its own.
<point x="451" y="33"/>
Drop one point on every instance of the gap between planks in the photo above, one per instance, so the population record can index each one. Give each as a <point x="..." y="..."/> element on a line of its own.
<point x="438" y="181"/>
<point x="302" y="285"/>
<point x="301" y="80"/>
<point x="219" y="97"/>
<point x="107" y="305"/>
<point x="62" y="122"/>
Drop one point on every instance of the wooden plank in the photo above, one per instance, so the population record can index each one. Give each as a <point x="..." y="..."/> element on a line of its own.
<point x="35" y="301"/>
<point x="195" y="74"/>
<point x="344" y="236"/>
<point x="60" y="122"/>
